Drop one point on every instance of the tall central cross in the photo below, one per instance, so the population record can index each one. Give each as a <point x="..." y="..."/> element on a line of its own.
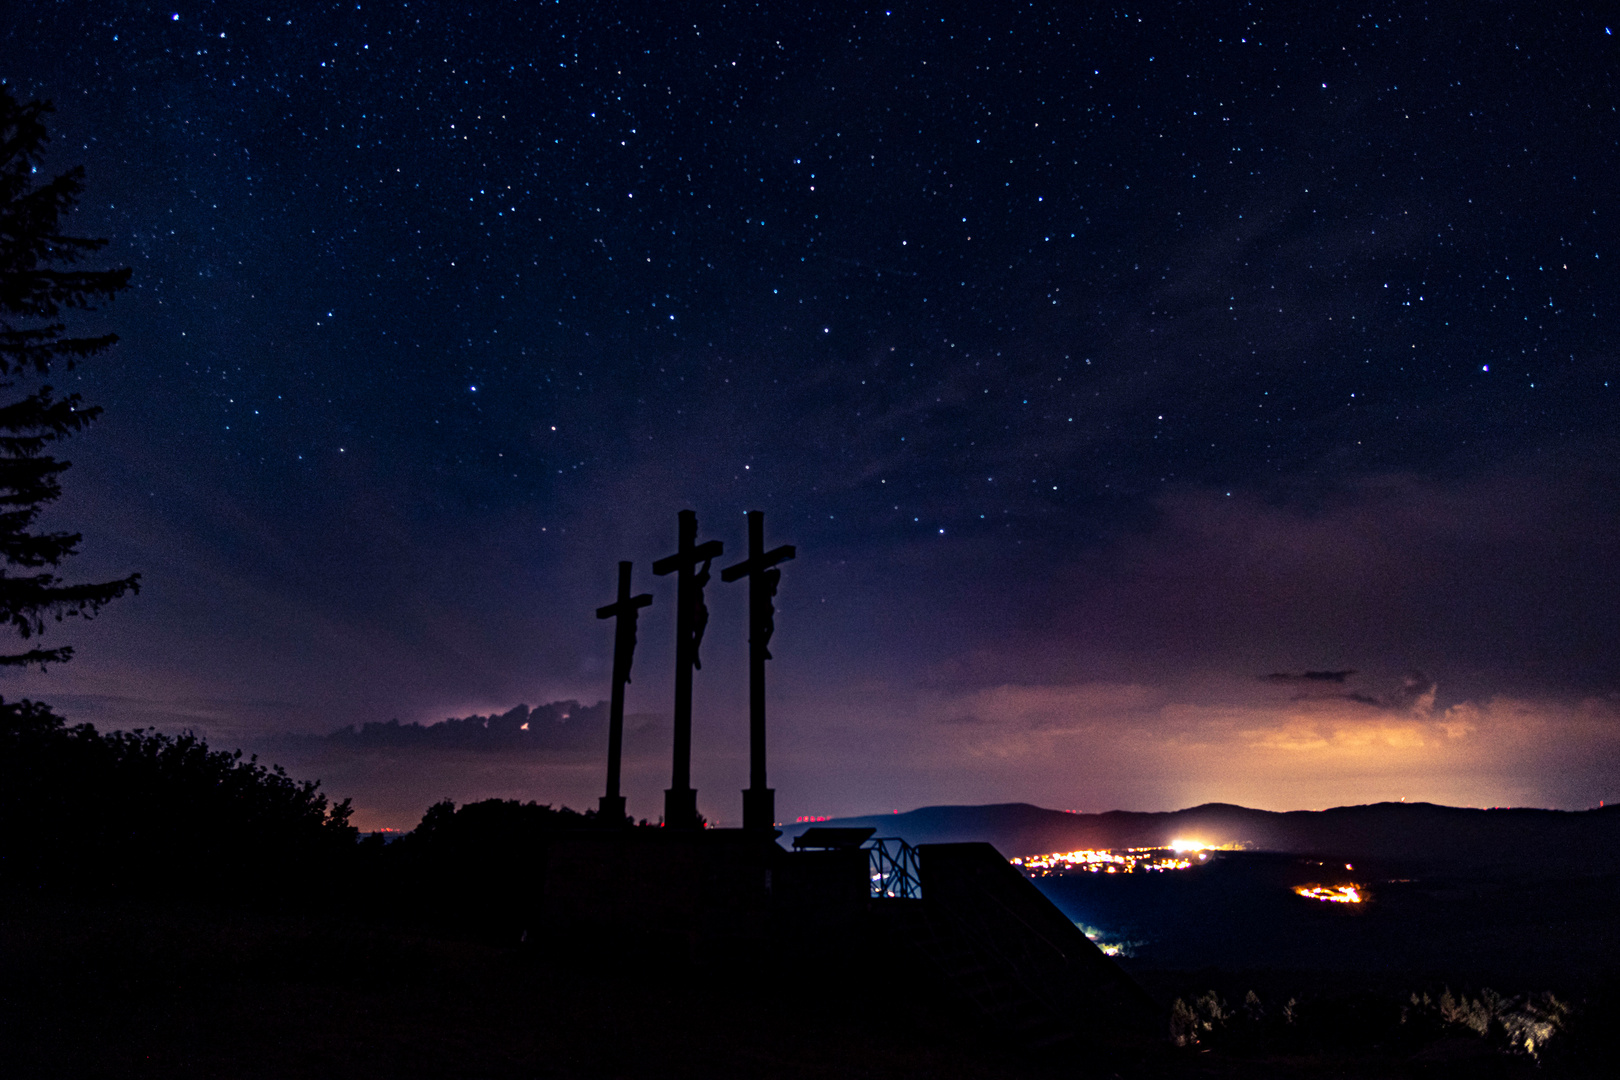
<point x="626" y="609"/>
<point x="691" y="616"/>
<point x="759" y="801"/>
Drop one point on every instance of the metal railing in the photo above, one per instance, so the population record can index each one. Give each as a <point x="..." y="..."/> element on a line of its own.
<point x="893" y="864"/>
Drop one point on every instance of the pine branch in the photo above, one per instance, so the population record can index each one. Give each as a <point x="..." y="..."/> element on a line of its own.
<point x="38" y="279"/>
<point x="41" y="657"/>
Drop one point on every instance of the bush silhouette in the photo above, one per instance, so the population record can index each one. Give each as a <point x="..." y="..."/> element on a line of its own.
<point x="144" y="809"/>
<point x="475" y="870"/>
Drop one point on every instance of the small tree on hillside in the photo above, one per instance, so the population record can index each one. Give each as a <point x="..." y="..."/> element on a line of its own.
<point x="38" y="279"/>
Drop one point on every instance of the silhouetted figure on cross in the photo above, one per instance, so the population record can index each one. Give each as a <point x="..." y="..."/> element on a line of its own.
<point x="759" y="801"/>
<point x="767" y="620"/>
<point x="700" y="612"/>
<point x="627" y="609"/>
<point x="691" y="616"/>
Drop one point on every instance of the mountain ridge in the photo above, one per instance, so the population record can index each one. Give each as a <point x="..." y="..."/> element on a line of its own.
<point x="1500" y="839"/>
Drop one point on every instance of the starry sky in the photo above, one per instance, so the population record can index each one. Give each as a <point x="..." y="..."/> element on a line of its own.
<point x="1168" y="402"/>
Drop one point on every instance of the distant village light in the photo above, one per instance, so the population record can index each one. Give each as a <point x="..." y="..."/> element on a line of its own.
<point x="1332" y="894"/>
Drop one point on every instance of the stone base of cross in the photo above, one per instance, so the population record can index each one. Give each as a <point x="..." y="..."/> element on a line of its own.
<point x="680" y="808"/>
<point x="610" y="810"/>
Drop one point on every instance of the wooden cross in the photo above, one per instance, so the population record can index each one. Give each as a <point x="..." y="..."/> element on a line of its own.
<point x="626" y="609"/>
<point x="759" y="801"/>
<point x="680" y="801"/>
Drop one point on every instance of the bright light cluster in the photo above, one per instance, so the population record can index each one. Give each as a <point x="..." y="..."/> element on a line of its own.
<point x="1181" y="854"/>
<point x="1127" y="861"/>
<point x="1109" y="948"/>
<point x="1331" y="894"/>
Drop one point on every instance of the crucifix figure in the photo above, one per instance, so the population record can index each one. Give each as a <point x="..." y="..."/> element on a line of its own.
<point x="759" y="801"/>
<point x="700" y="612"/>
<point x="627" y="609"/>
<point x="680" y="801"/>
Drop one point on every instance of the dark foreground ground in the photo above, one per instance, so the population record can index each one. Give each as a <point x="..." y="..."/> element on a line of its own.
<point x="108" y="987"/>
<point x="171" y="990"/>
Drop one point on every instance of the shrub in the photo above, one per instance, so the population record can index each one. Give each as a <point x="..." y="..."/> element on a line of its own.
<point x="140" y="808"/>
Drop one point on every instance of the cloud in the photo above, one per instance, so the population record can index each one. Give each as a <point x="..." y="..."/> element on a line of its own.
<point x="559" y="726"/>
<point x="1310" y="676"/>
<point x="1416" y="690"/>
<point x="1051" y="708"/>
<point x="1115" y="745"/>
<point x="555" y="753"/>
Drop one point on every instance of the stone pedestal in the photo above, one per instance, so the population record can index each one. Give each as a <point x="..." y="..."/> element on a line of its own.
<point x="680" y="808"/>
<point x="610" y="809"/>
<point x="759" y="808"/>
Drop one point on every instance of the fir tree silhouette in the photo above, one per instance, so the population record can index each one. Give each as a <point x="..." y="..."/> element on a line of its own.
<point x="39" y="278"/>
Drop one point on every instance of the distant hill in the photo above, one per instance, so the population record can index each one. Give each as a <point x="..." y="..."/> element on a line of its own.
<point x="1505" y="840"/>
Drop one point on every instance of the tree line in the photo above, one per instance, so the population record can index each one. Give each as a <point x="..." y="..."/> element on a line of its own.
<point x="150" y="812"/>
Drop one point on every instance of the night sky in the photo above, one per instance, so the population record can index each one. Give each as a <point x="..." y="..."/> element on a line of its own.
<point x="1102" y="362"/>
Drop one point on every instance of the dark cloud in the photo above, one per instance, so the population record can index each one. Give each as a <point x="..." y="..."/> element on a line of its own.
<point x="1310" y="676"/>
<point x="561" y="725"/>
<point x="1413" y="690"/>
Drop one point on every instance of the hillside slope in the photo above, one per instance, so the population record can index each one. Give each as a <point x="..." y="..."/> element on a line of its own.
<point x="1521" y="840"/>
